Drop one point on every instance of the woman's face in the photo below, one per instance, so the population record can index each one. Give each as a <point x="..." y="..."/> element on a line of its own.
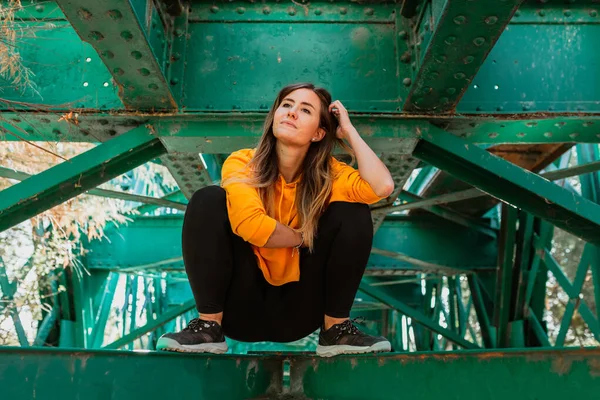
<point x="296" y="120"/>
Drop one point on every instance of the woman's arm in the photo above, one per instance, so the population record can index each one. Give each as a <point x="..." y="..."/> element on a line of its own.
<point x="370" y="167"/>
<point x="284" y="236"/>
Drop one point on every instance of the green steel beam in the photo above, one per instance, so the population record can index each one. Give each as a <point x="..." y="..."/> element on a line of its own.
<point x="152" y="325"/>
<point x="175" y="197"/>
<point x="131" y="38"/>
<point x="120" y="375"/>
<point x="113" y="194"/>
<point x="488" y="333"/>
<point x="221" y="133"/>
<point x="511" y="184"/>
<point x="465" y="375"/>
<point x="452" y="40"/>
<point x="504" y="275"/>
<point x="415" y="314"/>
<point x="70" y="178"/>
<point x="8" y="290"/>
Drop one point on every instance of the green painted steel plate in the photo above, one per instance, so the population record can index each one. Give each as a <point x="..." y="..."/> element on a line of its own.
<point x="67" y="72"/>
<point x="539" y="68"/>
<point x="242" y="66"/>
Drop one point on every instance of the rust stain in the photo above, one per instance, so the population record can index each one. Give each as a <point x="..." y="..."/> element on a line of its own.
<point x="367" y="131"/>
<point x="353" y="363"/>
<point x="594" y="366"/>
<point x="562" y="365"/>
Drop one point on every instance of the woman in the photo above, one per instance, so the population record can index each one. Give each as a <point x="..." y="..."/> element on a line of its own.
<point x="279" y="250"/>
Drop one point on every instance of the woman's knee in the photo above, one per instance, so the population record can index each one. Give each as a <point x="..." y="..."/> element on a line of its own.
<point x="354" y="219"/>
<point x="208" y="197"/>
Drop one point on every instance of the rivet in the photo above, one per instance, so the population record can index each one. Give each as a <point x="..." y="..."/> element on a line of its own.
<point x="478" y="108"/>
<point x="426" y="26"/>
<point x="521" y="134"/>
<point x="103" y="122"/>
<point x="541" y="13"/>
<point x="267" y="10"/>
<point x="459" y="20"/>
<point x="263" y="106"/>
<point x="176" y="56"/>
<point x="414" y="65"/>
<point x="115" y="14"/>
<point x="419" y="101"/>
<point x="96" y="35"/>
<point x="118" y="71"/>
<point x="478" y="41"/>
<point x="153" y="86"/>
<point x="17" y="120"/>
<point x="451" y="91"/>
<point x="440" y="58"/>
<point x="127" y="35"/>
<point x="574" y="135"/>
<point x="291" y="11"/>
<point x="444" y="100"/>
<point x="174" y="81"/>
<point x="468" y="59"/>
<point x="450" y="39"/>
<point x="459" y="75"/>
<point x="405" y="58"/>
<point x="567" y="13"/>
<point x="136" y="54"/>
<point x="240" y="10"/>
<point x="499" y="108"/>
<point x="209" y="107"/>
<point x="318" y="12"/>
<point x="83" y="14"/>
<point x="588" y="123"/>
<point x="236" y="107"/>
<point x="39" y="8"/>
<point x="56" y="131"/>
<point x="214" y="9"/>
<point x="593" y="13"/>
<point x="45" y="120"/>
<point x="372" y="108"/>
<point x="517" y="13"/>
<point x="112" y="132"/>
<point x="491" y="20"/>
<point x="525" y="108"/>
<point x="406" y="81"/>
<point x="108" y="54"/>
<point x="369" y="11"/>
<point x="402" y="34"/>
<point x="435" y="74"/>
<point x="548" y="134"/>
<point x="493" y="135"/>
<point x="343" y="10"/>
<point x="178" y="32"/>
<point x="144" y="71"/>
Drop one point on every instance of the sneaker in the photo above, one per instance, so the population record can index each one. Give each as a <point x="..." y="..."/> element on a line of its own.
<point x="345" y="338"/>
<point x="198" y="337"/>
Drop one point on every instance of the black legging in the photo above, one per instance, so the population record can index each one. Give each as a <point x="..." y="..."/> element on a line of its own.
<point x="224" y="275"/>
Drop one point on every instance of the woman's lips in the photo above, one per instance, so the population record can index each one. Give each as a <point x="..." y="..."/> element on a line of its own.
<point x="289" y="123"/>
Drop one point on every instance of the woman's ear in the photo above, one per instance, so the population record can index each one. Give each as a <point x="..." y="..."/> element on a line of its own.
<point x="319" y="135"/>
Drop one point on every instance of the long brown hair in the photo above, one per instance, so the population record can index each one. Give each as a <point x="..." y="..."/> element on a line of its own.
<point x="314" y="190"/>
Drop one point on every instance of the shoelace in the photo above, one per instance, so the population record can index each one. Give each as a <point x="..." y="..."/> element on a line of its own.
<point x="197" y="324"/>
<point x="348" y="327"/>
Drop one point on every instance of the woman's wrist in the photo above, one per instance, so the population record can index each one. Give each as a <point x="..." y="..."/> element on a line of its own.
<point x="301" y="239"/>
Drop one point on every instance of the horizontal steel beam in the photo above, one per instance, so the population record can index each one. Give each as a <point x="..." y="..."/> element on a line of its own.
<point x="512" y="374"/>
<point x="78" y="175"/>
<point x="511" y="184"/>
<point x="224" y="132"/>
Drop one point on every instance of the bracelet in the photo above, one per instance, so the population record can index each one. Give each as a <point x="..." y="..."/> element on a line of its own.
<point x="301" y="241"/>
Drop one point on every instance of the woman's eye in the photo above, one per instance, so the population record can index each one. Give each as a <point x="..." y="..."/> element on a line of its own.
<point x="306" y="110"/>
<point x="285" y="105"/>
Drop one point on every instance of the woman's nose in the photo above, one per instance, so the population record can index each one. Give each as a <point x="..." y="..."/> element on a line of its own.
<point x="292" y="112"/>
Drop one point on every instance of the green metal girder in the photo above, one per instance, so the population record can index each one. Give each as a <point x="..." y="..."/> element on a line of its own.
<point x="465" y="375"/>
<point x="101" y="374"/>
<point x="460" y="248"/>
<point x="513" y="77"/>
<point x="113" y="194"/>
<point x="131" y="38"/>
<point x="511" y="184"/>
<point x="70" y="178"/>
<point x="218" y="133"/>
<point x="413" y="313"/>
<point x="66" y="72"/>
<point x="452" y="40"/>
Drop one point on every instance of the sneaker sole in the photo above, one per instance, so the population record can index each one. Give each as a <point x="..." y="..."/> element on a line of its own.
<point x="166" y="344"/>
<point x="330" y="351"/>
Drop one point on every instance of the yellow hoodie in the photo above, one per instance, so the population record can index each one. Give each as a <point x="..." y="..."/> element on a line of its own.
<point x="250" y="221"/>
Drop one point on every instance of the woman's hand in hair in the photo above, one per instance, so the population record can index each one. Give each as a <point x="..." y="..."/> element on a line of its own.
<point x="345" y="127"/>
